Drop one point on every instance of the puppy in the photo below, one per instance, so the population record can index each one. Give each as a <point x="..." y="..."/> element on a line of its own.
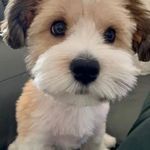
<point x="80" y="57"/>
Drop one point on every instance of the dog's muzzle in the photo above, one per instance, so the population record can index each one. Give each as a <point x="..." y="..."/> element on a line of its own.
<point x="85" y="70"/>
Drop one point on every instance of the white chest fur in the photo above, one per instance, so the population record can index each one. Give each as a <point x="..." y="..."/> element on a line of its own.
<point x="68" y="125"/>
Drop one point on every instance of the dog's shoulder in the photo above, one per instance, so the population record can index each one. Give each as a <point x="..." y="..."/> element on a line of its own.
<point x="26" y="104"/>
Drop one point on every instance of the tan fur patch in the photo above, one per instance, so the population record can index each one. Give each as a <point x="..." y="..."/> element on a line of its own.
<point x="26" y="104"/>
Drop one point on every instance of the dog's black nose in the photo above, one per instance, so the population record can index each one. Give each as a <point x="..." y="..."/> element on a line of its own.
<point x="85" y="70"/>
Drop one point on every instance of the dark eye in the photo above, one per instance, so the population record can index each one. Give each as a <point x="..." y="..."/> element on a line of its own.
<point x="58" y="28"/>
<point x="110" y="35"/>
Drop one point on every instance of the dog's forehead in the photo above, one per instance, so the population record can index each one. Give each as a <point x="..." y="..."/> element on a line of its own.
<point x="99" y="1"/>
<point x="103" y="12"/>
<point x="83" y="5"/>
<point x="75" y="9"/>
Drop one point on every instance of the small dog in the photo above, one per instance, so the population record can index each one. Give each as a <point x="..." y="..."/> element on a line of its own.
<point x="80" y="56"/>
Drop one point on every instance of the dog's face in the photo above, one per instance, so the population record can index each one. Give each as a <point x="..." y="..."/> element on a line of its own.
<point x="78" y="50"/>
<point x="81" y="47"/>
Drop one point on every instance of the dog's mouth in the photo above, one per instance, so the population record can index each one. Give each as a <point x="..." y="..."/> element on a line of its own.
<point x="82" y="91"/>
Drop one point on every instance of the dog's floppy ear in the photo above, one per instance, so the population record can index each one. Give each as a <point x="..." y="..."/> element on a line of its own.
<point x="141" y="39"/>
<point x="19" y="15"/>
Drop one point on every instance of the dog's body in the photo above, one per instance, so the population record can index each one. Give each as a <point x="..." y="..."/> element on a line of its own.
<point x="54" y="124"/>
<point x="80" y="57"/>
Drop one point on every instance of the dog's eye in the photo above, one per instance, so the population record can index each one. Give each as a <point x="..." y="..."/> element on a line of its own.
<point x="110" y="35"/>
<point x="58" y="28"/>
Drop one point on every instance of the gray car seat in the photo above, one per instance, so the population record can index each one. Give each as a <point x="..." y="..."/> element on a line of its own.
<point x="3" y="4"/>
<point x="12" y="77"/>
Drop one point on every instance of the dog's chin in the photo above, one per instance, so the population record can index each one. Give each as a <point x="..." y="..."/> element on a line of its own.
<point x="83" y="91"/>
<point x="86" y="95"/>
<point x="80" y="97"/>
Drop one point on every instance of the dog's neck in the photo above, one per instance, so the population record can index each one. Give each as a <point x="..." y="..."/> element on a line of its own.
<point x="77" y="123"/>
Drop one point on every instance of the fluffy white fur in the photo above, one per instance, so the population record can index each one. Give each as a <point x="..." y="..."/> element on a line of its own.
<point x="66" y="125"/>
<point x="143" y="66"/>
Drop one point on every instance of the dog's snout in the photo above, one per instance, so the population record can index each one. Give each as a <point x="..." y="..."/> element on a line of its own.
<point x="85" y="70"/>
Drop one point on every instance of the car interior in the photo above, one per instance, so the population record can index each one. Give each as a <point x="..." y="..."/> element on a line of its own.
<point x="123" y="116"/>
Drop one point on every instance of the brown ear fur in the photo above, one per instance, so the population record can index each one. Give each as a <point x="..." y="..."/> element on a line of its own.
<point x="18" y="17"/>
<point x="141" y="39"/>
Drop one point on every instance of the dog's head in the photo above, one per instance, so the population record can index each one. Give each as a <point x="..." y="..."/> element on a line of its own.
<point x="81" y="47"/>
